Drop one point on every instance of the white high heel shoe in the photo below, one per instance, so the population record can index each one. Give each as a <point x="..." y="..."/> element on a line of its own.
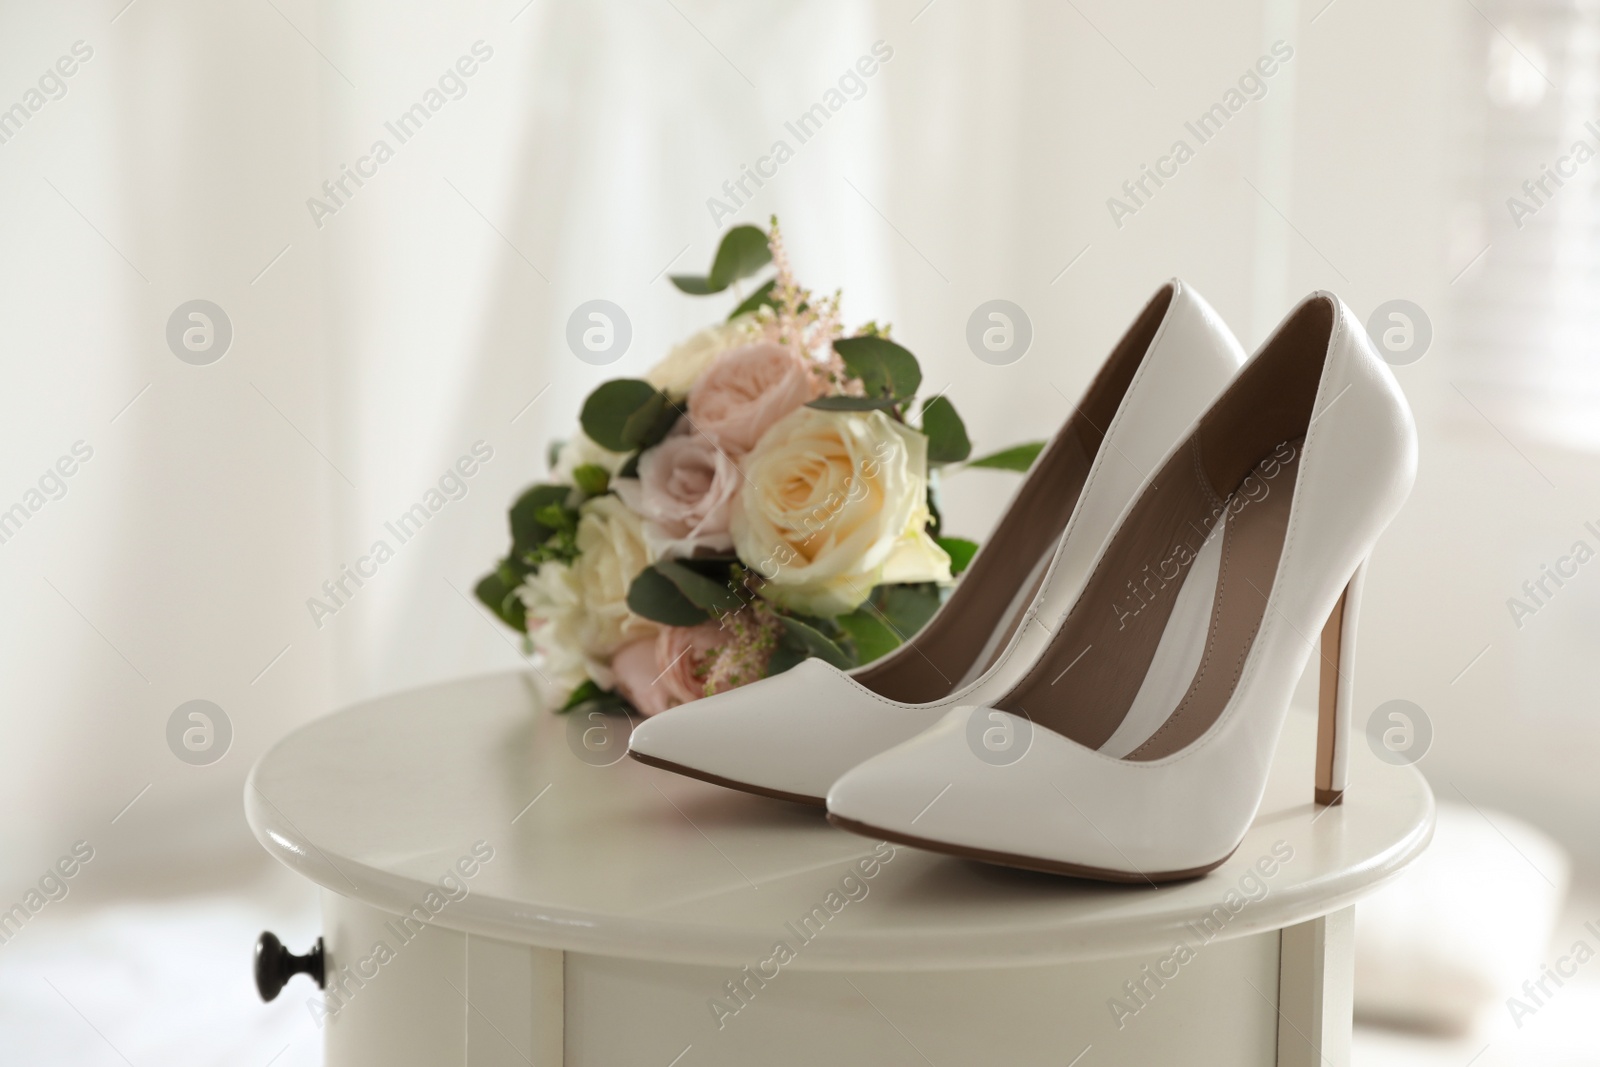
<point x="793" y="735"/>
<point x="1137" y="747"/>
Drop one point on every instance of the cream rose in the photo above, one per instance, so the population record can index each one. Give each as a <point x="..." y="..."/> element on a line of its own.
<point x="578" y="613"/>
<point x="682" y="367"/>
<point x="836" y="503"/>
<point x="684" y="492"/>
<point x="746" y="391"/>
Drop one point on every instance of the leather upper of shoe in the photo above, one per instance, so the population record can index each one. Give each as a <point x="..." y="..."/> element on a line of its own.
<point x="799" y="731"/>
<point x="798" y="737"/>
<point x="1180" y="795"/>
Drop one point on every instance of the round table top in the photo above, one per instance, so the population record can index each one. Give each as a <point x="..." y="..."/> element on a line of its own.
<point x="385" y="800"/>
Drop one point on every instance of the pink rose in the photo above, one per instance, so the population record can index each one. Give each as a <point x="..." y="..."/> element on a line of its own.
<point x="669" y="669"/>
<point x="635" y="668"/>
<point x="747" y="390"/>
<point x="684" y="493"/>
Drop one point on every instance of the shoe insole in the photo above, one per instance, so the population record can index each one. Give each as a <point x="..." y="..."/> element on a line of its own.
<point x="1179" y="653"/>
<point x="982" y="616"/>
<point x="1150" y="654"/>
<point x="1000" y="637"/>
<point x="1252" y="544"/>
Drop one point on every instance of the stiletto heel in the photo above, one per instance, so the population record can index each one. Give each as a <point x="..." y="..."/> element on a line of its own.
<point x="1336" y="692"/>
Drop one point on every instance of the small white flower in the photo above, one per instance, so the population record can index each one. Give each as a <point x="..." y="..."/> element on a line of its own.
<point x="578" y="613"/>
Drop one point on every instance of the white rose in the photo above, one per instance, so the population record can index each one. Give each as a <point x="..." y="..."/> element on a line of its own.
<point x="555" y="605"/>
<point x="582" y="451"/>
<point x="835" y="503"/>
<point x="683" y="365"/>
<point x="578" y="613"/>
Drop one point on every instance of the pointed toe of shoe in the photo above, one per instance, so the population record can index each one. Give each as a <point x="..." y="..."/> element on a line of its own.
<point x="790" y="736"/>
<point x="1048" y="804"/>
<point x="898" y="792"/>
<point x="726" y="742"/>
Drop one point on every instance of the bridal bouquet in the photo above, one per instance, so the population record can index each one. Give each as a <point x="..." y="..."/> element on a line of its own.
<point x="761" y="496"/>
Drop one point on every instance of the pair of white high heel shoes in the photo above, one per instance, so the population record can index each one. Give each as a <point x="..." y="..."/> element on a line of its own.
<point x="1102" y="693"/>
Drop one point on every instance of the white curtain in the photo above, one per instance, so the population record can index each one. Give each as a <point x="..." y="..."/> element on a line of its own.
<point x="427" y="313"/>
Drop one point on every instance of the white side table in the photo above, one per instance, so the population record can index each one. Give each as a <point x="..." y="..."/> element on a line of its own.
<point x="632" y="916"/>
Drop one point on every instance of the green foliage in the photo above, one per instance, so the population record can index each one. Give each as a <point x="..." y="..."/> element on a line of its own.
<point x="710" y="595"/>
<point x="871" y="636"/>
<point x="591" y="478"/>
<point x="656" y="597"/>
<point x="743" y="252"/>
<point x="1016" y="458"/>
<point x="891" y="616"/>
<point x="960" y="551"/>
<point x="761" y="298"/>
<point x="498" y="592"/>
<point x="544" y="525"/>
<point x="627" y="414"/>
<point x="888" y="372"/>
<point x="590" y="697"/>
<point x="946" y="433"/>
<point x="671" y="592"/>
<point x="806" y="636"/>
<point x="906" y="608"/>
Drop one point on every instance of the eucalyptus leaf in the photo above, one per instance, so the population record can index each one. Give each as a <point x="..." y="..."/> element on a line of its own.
<point x="947" y="434"/>
<point x="656" y="597"/>
<point x="1016" y="458"/>
<point x="814" y="642"/>
<point x="693" y="284"/>
<point x="906" y="608"/>
<point x="627" y="414"/>
<point x="885" y="368"/>
<point x="762" y="297"/>
<point x="650" y="424"/>
<point x="788" y="655"/>
<point x="872" y="638"/>
<point x="960" y="550"/>
<point x="709" y="595"/>
<point x="500" y="596"/>
<point x="742" y="252"/>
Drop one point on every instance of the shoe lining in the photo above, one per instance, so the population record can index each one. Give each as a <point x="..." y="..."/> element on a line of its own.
<point x="1179" y="653"/>
<point x="1232" y="482"/>
<point x="958" y="644"/>
<point x="1013" y="616"/>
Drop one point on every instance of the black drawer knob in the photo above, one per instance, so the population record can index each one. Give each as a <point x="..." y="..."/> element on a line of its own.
<point x="275" y="965"/>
